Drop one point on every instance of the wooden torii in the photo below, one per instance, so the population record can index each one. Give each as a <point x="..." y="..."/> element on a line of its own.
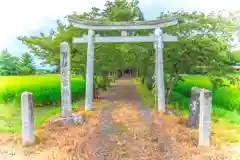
<point x="158" y="38"/>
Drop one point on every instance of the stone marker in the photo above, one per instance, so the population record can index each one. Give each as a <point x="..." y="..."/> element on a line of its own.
<point x="194" y="108"/>
<point x="27" y="114"/>
<point x="200" y="111"/>
<point x="66" y="100"/>
<point x="205" y="118"/>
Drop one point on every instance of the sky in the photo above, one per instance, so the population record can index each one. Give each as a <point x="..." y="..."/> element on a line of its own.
<point x="30" y="17"/>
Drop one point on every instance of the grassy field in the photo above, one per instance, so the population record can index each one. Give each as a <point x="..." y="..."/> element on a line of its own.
<point x="226" y="101"/>
<point x="46" y="89"/>
<point x="224" y="98"/>
<point x="10" y="116"/>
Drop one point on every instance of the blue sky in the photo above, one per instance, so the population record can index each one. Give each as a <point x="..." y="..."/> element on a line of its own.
<point x="30" y="17"/>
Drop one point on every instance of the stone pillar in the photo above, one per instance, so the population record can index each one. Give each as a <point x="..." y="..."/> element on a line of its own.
<point x="89" y="71"/>
<point x="27" y="115"/>
<point x="160" y="72"/>
<point x="194" y="108"/>
<point x="205" y="118"/>
<point x="65" y="61"/>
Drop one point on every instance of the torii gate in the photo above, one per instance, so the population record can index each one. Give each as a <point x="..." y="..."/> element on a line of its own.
<point x="158" y="38"/>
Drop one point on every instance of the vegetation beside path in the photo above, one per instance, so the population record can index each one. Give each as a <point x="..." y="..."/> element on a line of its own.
<point x="225" y="122"/>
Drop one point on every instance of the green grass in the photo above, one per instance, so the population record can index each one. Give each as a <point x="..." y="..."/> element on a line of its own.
<point x="145" y="94"/>
<point x="181" y="103"/>
<point x="224" y="98"/>
<point x="46" y="89"/>
<point x="10" y="116"/>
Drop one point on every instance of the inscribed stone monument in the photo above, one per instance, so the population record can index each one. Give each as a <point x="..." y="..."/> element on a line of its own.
<point x="66" y="100"/>
<point x="205" y="118"/>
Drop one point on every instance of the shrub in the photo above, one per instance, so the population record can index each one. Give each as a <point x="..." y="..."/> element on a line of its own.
<point x="184" y="87"/>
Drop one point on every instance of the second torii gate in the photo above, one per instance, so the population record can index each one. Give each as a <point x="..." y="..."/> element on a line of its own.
<point x="158" y="38"/>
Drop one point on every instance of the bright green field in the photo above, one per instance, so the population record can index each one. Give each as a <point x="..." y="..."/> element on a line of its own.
<point x="47" y="97"/>
<point x="226" y="101"/>
<point x="46" y="89"/>
<point x="224" y="98"/>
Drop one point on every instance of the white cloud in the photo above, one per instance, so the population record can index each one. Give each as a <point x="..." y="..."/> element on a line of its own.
<point x="19" y="17"/>
<point x="190" y="5"/>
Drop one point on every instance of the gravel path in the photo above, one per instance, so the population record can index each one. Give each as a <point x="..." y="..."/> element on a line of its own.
<point x="143" y="139"/>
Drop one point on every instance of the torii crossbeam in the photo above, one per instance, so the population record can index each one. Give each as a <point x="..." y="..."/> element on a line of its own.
<point x="157" y="38"/>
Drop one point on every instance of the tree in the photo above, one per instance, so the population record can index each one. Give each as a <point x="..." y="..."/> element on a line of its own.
<point x="109" y="57"/>
<point x="27" y="64"/>
<point x="202" y="41"/>
<point x="235" y="57"/>
<point x="9" y="65"/>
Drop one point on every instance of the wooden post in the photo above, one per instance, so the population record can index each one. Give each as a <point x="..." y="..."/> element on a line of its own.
<point x="89" y="72"/>
<point x="27" y="115"/>
<point x="66" y="100"/>
<point x="205" y="118"/>
<point x="160" y="72"/>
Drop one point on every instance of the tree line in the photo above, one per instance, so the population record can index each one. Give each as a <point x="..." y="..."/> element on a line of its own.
<point x="12" y="65"/>
<point x="204" y="40"/>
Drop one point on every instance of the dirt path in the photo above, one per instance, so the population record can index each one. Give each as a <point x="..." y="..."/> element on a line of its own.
<point x="118" y="128"/>
<point x="126" y="129"/>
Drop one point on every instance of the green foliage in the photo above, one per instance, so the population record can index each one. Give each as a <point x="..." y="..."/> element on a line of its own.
<point x="109" y="57"/>
<point x="198" y="46"/>
<point x="204" y="40"/>
<point x="146" y="95"/>
<point x="224" y="97"/>
<point x="235" y="57"/>
<point x="184" y="87"/>
<point x="46" y="89"/>
<point x="9" y="65"/>
<point x="27" y="64"/>
<point x="181" y="102"/>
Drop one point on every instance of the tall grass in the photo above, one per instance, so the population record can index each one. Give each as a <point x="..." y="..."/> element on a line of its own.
<point x="226" y="101"/>
<point x="226" y="97"/>
<point x="46" y="88"/>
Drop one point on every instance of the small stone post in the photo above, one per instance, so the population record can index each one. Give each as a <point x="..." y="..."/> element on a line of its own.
<point x="194" y="108"/>
<point x="27" y="115"/>
<point x="205" y="118"/>
<point x="66" y="100"/>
